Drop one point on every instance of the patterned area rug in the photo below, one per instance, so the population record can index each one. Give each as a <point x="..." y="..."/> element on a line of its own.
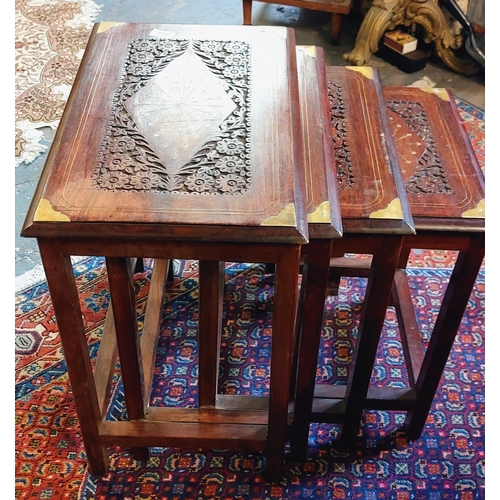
<point x="51" y="36"/>
<point x="447" y="462"/>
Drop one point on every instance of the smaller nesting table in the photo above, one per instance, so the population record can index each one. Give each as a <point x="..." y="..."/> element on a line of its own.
<point x="168" y="149"/>
<point x="375" y="217"/>
<point x="445" y="189"/>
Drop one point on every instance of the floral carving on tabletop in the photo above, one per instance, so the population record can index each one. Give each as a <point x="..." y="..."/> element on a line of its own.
<point x="155" y="108"/>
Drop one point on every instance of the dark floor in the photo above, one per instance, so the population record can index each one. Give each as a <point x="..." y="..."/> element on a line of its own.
<point x="311" y="28"/>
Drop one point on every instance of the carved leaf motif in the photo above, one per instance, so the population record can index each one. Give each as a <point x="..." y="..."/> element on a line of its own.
<point x="345" y="169"/>
<point x="429" y="176"/>
<point x="180" y="111"/>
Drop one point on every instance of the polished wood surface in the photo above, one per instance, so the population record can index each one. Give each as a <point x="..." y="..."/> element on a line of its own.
<point x="372" y="194"/>
<point x="442" y="177"/>
<point x="321" y="189"/>
<point x="171" y="125"/>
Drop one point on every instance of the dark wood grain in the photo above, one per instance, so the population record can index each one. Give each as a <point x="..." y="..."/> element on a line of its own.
<point x="211" y="294"/>
<point x="65" y="300"/>
<point x="321" y="189"/>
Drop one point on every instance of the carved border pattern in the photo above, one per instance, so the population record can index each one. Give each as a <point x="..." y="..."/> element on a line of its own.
<point x="345" y="169"/>
<point x="430" y="176"/>
<point x="127" y="162"/>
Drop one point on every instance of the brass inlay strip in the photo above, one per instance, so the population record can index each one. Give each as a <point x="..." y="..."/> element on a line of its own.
<point x="364" y="70"/>
<point x="285" y="218"/>
<point x="45" y="213"/>
<point x="321" y="213"/>
<point x="104" y="26"/>
<point x="479" y="212"/>
<point x="392" y="211"/>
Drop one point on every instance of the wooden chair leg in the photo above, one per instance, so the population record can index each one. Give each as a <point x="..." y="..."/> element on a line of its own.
<point x="211" y="286"/>
<point x="314" y="286"/>
<point x="64" y="296"/>
<point x="373" y="313"/>
<point x="247" y="12"/>
<point x="445" y="329"/>
<point x="123" y="301"/>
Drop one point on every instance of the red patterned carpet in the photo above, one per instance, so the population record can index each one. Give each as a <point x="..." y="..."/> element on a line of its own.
<point x="447" y="462"/>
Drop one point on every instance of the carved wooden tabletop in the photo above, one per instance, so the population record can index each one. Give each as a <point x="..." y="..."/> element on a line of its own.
<point x="443" y="181"/>
<point x="372" y="195"/>
<point x="181" y="131"/>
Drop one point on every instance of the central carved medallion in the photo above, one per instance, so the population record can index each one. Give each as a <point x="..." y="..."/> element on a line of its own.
<point x="179" y="121"/>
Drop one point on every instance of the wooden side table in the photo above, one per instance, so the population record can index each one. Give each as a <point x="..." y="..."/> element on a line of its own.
<point x="375" y="217"/>
<point x="445" y="188"/>
<point x="168" y="149"/>
<point x="338" y="9"/>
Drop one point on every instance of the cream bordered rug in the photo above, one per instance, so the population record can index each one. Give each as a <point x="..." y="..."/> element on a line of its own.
<point x="50" y="38"/>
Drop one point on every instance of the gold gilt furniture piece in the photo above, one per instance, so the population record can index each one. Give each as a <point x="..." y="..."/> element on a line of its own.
<point x="337" y="8"/>
<point x="375" y="218"/>
<point x="168" y="149"/>
<point x="385" y="15"/>
<point x="445" y="189"/>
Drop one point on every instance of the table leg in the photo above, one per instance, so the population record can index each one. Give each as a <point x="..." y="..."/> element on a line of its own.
<point x="284" y="312"/>
<point x="447" y="324"/>
<point x="211" y="286"/>
<point x="64" y="296"/>
<point x="313" y="291"/>
<point x="335" y="28"/>
<point x="247" y="11"/>
<point x="373" y="312"/>
<point x="123" y="301"/>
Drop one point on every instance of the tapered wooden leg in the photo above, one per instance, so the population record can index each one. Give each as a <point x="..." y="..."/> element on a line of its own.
<point x="284" y="312"/>
<point x="373" y="312"/>
<point x="64" y="296"/>
<point x="247" y="11"/>
<point x="210" y="325"/>
<point x="123" y="301"/>
<point x="314" y="285"/>
<point x="336" y="23"/>
<point x="445" y="329"/>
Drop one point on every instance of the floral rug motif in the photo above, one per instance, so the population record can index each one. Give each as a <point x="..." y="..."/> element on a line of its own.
<point x="446" y="463"/>
<point x="50" y="39"/>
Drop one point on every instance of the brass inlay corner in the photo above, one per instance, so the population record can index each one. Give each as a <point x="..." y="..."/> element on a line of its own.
<point x="321" y="213"/>
<point x="366" y="71"/>
<point x="45" y="213"/>
<point x="441" y="93"/>
<point x="104" y="26"/>
<point x="479" y="212"/>
<point x="285" y="218"/>
<point x="392" y="211"/>
<point x="310" y="49"/>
